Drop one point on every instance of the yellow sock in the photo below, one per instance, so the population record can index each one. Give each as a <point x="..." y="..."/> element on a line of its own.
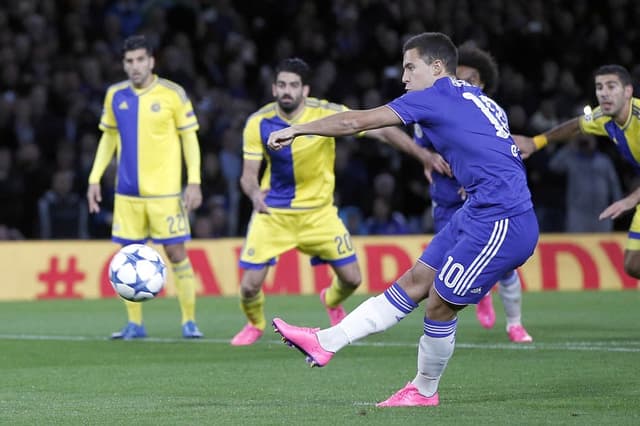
<point x="134" y="311"/>
<point x="253" y="308"/>
<point x="186" y="289"/>
<point x="337" y="292"/>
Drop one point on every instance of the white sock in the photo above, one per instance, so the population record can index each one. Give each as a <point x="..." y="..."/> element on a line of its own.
<point x="434" y="351"/>
<point x="511" y="295"/>
<point x="374" y="315"/>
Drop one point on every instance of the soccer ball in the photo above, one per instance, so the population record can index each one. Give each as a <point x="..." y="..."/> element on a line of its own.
<point x="137" y="272"/>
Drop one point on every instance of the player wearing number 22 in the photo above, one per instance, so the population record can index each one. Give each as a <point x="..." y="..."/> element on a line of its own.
<point x="149" y="123"/>
<point x="495" y="231"/>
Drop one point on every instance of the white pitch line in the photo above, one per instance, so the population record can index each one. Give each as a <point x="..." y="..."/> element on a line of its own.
<point x="595" y="346"/>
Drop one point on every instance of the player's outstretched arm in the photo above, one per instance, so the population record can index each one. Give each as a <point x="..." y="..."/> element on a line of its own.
<point x="340" y="124"/>
<point x="561" y="132"/>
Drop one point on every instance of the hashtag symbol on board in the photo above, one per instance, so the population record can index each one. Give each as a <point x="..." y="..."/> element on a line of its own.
<point x="68" y="277"/>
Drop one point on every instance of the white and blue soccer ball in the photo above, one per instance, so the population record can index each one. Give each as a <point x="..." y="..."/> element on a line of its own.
<point x="137" y="272"/>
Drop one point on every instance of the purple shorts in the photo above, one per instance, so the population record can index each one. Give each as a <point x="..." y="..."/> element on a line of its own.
<point x="471" y="256"/>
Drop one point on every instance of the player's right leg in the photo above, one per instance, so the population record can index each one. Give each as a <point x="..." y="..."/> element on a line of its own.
<point x="252" y="304"/>
<point x="130" y="226"/>
<point x="374" y="315"/>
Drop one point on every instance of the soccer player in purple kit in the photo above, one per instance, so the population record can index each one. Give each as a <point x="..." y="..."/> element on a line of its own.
<point x="494" y="232"/>
<point x="476" y="67"/>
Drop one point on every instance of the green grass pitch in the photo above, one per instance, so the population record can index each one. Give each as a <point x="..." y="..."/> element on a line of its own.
<point x="58" y="368"/>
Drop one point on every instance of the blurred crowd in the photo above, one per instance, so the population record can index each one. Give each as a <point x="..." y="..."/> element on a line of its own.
<point x="58" y="57"/>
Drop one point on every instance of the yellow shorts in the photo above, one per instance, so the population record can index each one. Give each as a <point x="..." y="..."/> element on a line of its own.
<point x="136" y="219"/>
<point x="633" y="239"/>
<point x="319" y="233"/>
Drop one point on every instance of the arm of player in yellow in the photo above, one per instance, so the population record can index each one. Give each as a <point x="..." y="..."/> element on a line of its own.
<point x="104" y="153"/>
<point x="191" y="152"/>
<point x="251" y="187"/>
<point x="561" y="132"/>
<point x="619" y="207"/>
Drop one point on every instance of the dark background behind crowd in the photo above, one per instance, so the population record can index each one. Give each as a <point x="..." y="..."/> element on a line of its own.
<point x="57" y="58"/>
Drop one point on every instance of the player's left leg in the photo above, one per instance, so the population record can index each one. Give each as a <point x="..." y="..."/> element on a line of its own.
<point x="169" y="226"/>
<point x="480" y="255"/>
<point x="346" y="280"/>
<point x="324" y="236"/>
<point x="511" y="295"/>
<point x="632" y="248"/>
<point x="435" y="348"/>
<point x="185" y="288"/>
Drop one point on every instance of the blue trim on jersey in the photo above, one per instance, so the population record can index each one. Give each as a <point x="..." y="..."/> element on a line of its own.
<point x="126" y="242"/>
<point x="282" y="183"/>
<point x="256" y="266"/>
<point x="315" y="260"/>
<point x="400" y="299"/>
<point x="125" y="106"/>
<point x="634" y="235"/>
<point x="617" y="135"/>
<point x="173" y="240"/>
<point x="439" y="329"/>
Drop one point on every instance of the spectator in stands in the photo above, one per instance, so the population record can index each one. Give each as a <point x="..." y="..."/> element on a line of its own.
<point x="62" y="213"/>
<point x="592" y="184"/>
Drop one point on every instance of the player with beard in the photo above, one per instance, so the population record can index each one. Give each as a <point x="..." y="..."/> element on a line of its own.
<point x="293" y="203"/>
<point x="617" y="117"/>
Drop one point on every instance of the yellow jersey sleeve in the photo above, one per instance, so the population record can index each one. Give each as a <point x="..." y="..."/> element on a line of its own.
<point x="594" y="123"/>
<point x="252" y="147"/>
<point x="108" y="118"/>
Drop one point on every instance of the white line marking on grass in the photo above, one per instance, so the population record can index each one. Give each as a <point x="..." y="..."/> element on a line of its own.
<point x="596" y="346"/>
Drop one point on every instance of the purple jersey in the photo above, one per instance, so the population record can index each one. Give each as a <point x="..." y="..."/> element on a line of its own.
<point x="472" y="133"/>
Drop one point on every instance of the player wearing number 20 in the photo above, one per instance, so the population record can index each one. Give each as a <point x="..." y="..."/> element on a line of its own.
<point x="494" y="232"/>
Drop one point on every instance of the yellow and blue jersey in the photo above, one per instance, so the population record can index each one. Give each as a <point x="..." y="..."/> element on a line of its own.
<point x="626" y="137"/>
<point x="300" y="176"/>
<point x="149" y="123"/>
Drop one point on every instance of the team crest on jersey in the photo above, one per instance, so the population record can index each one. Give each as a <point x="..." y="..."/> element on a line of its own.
<point x="417" y="130"/>
<point x="155" y="107"/>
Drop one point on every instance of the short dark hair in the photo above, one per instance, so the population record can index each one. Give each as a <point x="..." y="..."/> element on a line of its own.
<point x="474" y="57"/>
<point x="433" y="46"/>
<point x="295" y="66"/>
<point x="619" y="70"/>
<point x="136" y="42"/>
